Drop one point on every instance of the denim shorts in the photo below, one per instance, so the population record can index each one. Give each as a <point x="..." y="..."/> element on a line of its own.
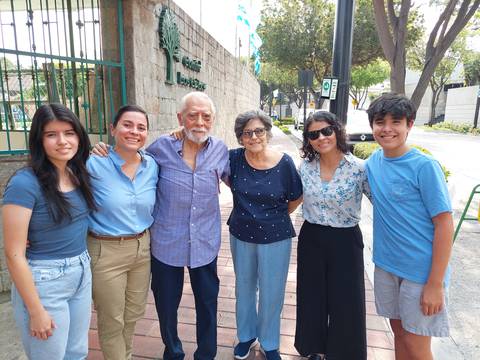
<point x="397" y="298"/>
<point x="65" y="290"/>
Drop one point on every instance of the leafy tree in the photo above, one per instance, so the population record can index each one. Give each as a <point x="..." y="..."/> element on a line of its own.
<point x="471" y="68"/>
<point x="392" y="17"/>
<point x="283" y="79"/>
<point x="298" y="34"/>
<point x="364" y="77"/>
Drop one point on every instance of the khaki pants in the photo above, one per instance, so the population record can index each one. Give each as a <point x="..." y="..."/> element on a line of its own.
<point x="121" y="278"/>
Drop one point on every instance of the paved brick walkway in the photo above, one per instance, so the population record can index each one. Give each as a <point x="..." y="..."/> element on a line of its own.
<point x="147" y="341"/>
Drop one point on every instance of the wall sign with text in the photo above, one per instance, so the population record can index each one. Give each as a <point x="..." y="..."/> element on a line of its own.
<point x="170" y="42"/>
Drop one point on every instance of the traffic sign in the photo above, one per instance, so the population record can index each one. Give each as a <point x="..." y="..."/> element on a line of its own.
<point x="326" y="88"/>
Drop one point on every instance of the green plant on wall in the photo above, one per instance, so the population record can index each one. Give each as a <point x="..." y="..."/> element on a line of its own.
<point x="170" y="41"/>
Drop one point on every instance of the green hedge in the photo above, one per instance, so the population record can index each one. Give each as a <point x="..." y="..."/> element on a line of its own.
<point x="461" y="127"/>
<point x="287" y="121"/>
<point x="285" y="129"/>
<point x="364" y="150"/>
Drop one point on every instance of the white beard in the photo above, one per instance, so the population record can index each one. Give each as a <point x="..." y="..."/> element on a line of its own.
<point x="190" y="136"/>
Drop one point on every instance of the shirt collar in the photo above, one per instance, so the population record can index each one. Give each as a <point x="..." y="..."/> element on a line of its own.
<point x="117" y="159"/>
<point x="349" y="158"/>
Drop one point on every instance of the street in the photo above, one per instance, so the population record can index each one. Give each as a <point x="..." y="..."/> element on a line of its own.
<point x="458" y="153"/>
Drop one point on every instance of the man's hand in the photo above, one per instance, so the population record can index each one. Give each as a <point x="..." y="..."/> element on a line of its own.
<point x="431" y="300"/>
<point x="41" y="325"/>
<point x="100" y="149"/>
<point x="178" y="133"/>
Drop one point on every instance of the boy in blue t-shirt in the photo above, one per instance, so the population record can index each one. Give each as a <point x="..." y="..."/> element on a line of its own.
<point x="412" y="231"/>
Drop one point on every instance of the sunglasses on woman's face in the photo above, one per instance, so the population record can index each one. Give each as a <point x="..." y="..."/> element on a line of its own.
<point x="315" y="134"/>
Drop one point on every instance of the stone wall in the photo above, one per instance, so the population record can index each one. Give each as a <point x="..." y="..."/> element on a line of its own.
<point x="231" y="86"/>
<point x="8" y="166"/>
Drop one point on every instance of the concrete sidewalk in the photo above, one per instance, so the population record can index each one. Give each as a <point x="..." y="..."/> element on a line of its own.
<point x="147" y="341"/>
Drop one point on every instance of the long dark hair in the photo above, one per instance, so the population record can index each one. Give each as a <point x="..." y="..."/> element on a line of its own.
<point x="307" y="151"/>
<point x="44" y="169"/>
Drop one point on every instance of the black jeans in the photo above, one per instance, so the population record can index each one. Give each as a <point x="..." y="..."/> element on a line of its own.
<point x="331" y="293"/>
<point x="167" y="287"/>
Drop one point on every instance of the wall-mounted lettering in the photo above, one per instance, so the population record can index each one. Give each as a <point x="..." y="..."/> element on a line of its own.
<point x="192" y="64"/>
<point x="170" y="41"/>
<point x="190" y="82"/>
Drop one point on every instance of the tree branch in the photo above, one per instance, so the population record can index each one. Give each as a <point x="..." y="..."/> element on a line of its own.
<point x="383" y="30"/>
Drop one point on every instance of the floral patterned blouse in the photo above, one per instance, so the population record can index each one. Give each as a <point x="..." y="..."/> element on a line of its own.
<point x="335" y="203"/>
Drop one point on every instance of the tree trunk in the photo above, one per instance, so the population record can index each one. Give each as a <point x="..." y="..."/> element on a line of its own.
<point x="397" y="77"/>
<point x="433" y="105"/>
<point x="424" y="79"/>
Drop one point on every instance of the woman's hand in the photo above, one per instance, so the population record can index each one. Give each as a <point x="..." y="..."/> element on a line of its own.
<point x="41" y="324"/>
<point x="100" y="149"/>
<point x="178" y="133"/>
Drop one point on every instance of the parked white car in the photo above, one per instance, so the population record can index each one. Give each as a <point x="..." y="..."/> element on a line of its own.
<point x="358" y="128"/>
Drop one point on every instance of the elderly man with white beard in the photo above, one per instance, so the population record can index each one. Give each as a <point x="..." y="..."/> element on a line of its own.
<point x="187" y="229"/>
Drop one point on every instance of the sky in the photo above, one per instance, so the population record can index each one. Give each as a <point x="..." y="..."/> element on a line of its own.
<point x="218" y="17"/>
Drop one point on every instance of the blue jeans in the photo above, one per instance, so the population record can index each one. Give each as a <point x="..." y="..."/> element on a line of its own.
<point x="65" y="290"/>
<point x="263" y="267"/>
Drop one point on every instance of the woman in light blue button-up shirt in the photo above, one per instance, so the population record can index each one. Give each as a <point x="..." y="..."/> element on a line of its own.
<point x="124" y="185"/>
<point x="330" y="282"/>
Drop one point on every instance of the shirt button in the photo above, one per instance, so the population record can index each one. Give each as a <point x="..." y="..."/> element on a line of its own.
<point x="193" y="224"/>
<point x="194" y="208"/>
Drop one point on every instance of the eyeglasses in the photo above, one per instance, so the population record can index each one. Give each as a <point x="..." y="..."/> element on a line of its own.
<point x="326" y="131"/>
<point x="259" y="132"/>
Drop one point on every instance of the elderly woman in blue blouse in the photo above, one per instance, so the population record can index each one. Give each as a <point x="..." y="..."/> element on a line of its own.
<point x="330" y="282"/>
<point x="266" y="188"/>
<point x="124" y="184"/>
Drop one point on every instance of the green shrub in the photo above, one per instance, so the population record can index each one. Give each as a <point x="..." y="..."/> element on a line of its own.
<point x="285" y="129"/>
<point x="364" y="150"/>
<point x="287" y="121"/>
<point x="463" y="128"/>
<point x="277" y="123"/>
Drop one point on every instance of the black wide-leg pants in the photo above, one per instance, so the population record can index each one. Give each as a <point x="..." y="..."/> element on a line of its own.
<point x="330" y="293"/>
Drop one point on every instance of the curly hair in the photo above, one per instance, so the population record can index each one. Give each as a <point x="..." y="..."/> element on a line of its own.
<point x="307" y="151"/>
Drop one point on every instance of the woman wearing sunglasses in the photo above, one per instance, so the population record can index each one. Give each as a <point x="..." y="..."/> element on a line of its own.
<point x="330" y="283"/>
<point x="266" y="189"/>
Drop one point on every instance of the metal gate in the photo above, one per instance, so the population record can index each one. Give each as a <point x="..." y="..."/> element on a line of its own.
<point x="54" y="51"/>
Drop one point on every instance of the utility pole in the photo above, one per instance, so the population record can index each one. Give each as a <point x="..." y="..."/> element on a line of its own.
<point x="342" y="56"/>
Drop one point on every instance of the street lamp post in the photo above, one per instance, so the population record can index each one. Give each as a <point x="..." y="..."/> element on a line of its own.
<point x="342" y="56"/>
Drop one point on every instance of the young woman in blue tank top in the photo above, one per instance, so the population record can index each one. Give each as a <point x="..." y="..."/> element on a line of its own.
<point x="47" y="204"/>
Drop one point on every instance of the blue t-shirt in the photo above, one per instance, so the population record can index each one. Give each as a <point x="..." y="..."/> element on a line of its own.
<point x="48" y="240"/>
<point x="124" y="206"/>
<point x="260" y="199"/>
<point x="408" y="191"/>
